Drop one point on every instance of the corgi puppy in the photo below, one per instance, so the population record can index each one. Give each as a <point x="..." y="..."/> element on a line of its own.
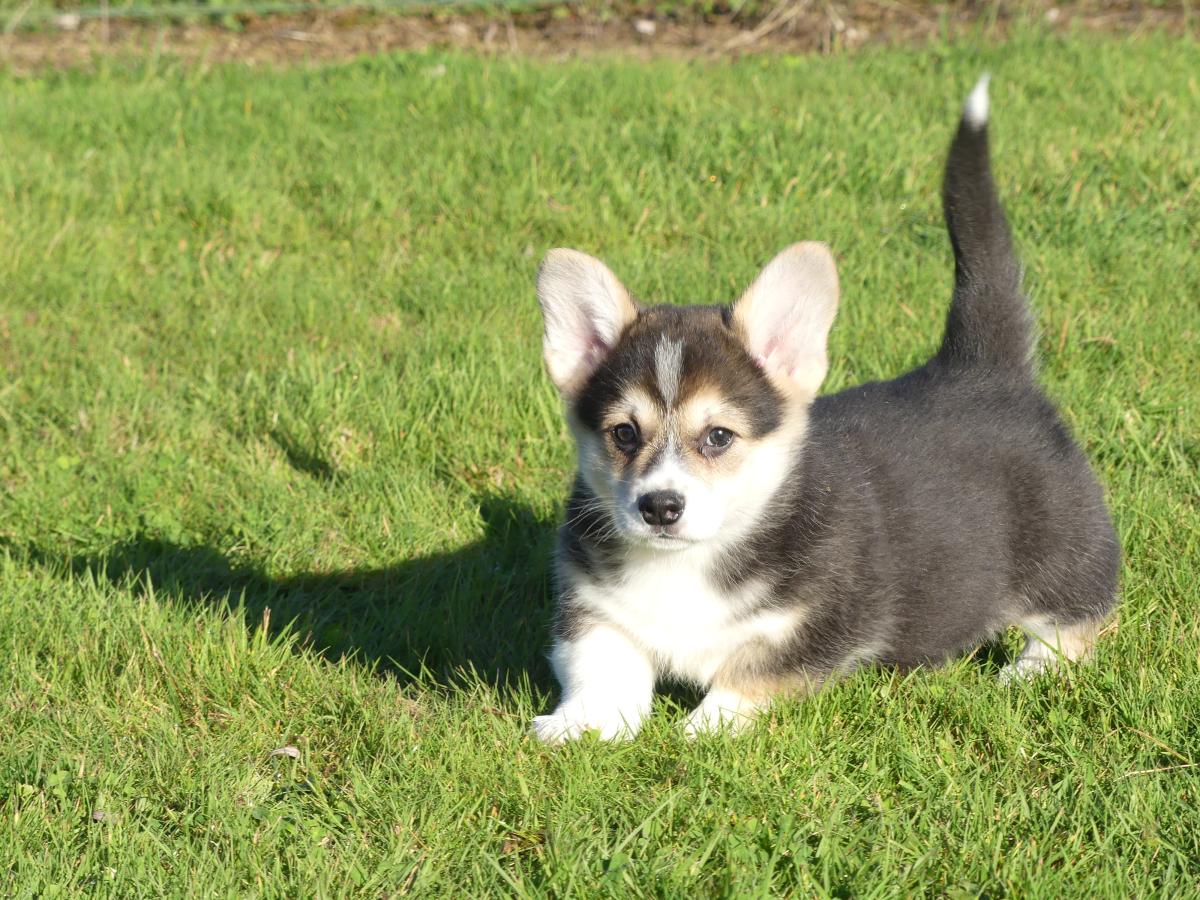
<point x="730" y="528"/>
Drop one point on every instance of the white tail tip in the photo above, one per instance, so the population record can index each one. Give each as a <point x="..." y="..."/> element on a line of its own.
<point x="976" y="109"/>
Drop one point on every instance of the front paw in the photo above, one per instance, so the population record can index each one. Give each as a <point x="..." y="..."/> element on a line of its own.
<point x="572" y="724"/>
<point x="711" y="721"/>
<point x="1025" y="668"/>
<point x="726" y="714"/>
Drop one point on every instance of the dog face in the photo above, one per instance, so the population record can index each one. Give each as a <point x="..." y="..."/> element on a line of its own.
<point x="686" y="419"/>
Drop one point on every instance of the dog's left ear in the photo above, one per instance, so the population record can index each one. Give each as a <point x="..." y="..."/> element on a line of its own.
<point x="785" y="317"/>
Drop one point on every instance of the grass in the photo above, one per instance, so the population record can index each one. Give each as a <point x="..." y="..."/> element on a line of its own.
<point x="280" y="469"/>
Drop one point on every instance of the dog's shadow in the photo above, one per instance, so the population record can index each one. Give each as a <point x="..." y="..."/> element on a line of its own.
<point x="482" y="609"/>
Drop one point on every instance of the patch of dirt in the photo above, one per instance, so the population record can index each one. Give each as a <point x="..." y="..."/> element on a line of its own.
<point x="803" y="26"/>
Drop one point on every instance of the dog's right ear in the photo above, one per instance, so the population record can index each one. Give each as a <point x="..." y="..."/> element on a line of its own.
<point x="585" y="309"/>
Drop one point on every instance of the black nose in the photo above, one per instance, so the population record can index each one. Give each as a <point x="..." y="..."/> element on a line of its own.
<point x="661" y="507"/>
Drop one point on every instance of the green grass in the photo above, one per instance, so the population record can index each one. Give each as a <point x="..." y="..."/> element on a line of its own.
<point x="269" y="342"/>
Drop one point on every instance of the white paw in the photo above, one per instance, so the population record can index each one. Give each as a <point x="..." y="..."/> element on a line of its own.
<point x="708" y="718"/>
<point x="1024" y="668"/>
<point x="569" y="725"/>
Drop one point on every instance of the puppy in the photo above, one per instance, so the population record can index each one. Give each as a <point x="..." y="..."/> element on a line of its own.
<point x="731" y="529"/>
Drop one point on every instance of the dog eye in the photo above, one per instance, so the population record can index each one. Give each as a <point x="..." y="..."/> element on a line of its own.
<point x="718" y="439"/>
<point x="625" y="436"/>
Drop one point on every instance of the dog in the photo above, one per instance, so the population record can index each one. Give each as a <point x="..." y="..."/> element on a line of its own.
<point x="731" y="529"/>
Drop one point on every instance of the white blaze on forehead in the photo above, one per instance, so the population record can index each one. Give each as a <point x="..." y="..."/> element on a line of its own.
<point x="668" y="368"/>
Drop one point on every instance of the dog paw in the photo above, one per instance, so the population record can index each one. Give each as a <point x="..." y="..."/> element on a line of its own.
<point x="710" y="719"/>
<point x="1024" y="669"/>
<point x="559" y="727"/>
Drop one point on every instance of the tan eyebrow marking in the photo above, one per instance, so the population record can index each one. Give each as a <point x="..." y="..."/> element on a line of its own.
<point x="635" y="404"/>
<point x="707" y="407"/>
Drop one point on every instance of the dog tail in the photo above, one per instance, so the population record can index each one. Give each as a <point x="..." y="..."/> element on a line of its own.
<point x="989" y="322"/>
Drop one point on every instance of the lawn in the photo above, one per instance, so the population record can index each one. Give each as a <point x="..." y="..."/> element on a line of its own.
<point x="279" y="468"/>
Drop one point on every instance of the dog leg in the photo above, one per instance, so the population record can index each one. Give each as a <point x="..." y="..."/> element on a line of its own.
<point x="732" y="703"/>
<point x="1048" y="645"/>
<point x="607" y="686"/>
<point x="724" y="709"/>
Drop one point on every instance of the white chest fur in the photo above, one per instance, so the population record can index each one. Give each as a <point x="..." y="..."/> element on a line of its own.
<point x="667" y="605"/>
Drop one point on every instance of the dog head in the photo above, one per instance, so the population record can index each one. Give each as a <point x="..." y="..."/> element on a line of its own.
<point x="687" y="418"/>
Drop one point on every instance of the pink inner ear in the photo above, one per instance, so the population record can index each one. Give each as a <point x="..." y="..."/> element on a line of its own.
<point x="595" y="353"/>
<point x="764" y="354"/>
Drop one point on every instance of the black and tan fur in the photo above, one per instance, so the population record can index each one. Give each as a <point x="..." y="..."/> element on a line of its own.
<point x="899" y="522"/>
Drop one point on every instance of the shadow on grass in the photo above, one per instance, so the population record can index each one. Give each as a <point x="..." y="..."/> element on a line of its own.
<point x="484" y="608"/>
